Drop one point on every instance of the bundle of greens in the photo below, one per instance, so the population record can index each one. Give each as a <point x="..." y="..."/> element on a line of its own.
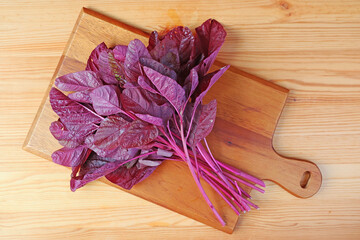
<point x="136" y="106"/>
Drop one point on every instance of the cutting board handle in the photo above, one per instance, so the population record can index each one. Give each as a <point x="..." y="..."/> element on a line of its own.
<point x="299" y="177"/>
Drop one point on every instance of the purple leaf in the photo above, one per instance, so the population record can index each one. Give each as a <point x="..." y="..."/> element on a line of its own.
<point x="122" y="153"/>
<point x="191" y="82"/>
<point x="207" y="82"/>
<point x="184" y="40"/>
<point x="150" y="119"/>
<point x="155" y="97"/>
<point x="89" y="142"/>
<point x="159" y="67"/>
<point x="58" y="129"/>
<point x="110" y="70"/>
<point x="71" y="112"/>
<point x="136" y="100"/>
<point x="171" y="59"/>
<point x="94" y="168"/>
<point x="195" y="53"/>
<point x="120" y="52"/>
<point x="105" y="100"/>
<point x="203" y="122"/>
<point x="82" y="96"/>
<point x="72" y="136"/>
<point x="136" y="50"/>
<point x="131" y="84"/>
<point x="147" y="84"/>
<point x="137" y="134"/>
<point x="127" y="178"/>
<point x="93" y="61"/>
<point x="78" y="81"/>
<point x="70" y="157"/>
<point x="207" y="63"/>
<point x="142" y="83"/>
<point x="162" y="48"/>
<point x="115" y="132"/>
<point x="153" y="40"/>
<point x="116" y="154"/>
<point x="167" y="53"/>
<point x="168" y="88"/>
<point x="133" y="100"/>
<point x="211" y="35"/>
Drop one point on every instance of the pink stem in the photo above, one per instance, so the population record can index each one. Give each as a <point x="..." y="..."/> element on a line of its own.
<point x="208" y="149"/>
<point x="251" y="204"/>
<point x="93" y="112"/>
<point x="191" y="122"/>
<point x="241" y="174"/>
<point x="228" y="195"/>
<point x="203" y="167"/>
<point x="196" y="178"/>
<point x="244" y="182"/>
<point x="143" y="155"/>
<point x="129" y="114"/>
<point x="168" y="127"/>
<point x="238" y="187"/>
<point x="246" y="194"/>
<point x="213" y="165"/>
<point x="238" y="197"/>
<point x="219" y="192"/>
<point x="233" y="192"/>
<point x="196" y="162"/>
<point x="177" y="125"/>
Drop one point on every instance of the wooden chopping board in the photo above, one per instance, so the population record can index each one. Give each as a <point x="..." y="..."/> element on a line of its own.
<point x="248" y="111"/>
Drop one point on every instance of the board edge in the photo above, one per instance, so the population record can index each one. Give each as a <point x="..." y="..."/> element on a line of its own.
<point x="25" y="145"/>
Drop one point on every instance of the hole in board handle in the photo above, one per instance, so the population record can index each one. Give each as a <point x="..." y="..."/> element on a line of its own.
<point x="305" y="179"/>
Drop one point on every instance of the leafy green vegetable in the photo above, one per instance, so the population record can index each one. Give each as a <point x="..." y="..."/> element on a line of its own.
<point x="136" y="106"/>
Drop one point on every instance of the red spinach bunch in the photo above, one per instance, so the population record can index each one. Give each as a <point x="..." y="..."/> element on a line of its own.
<point x="136" y="106"/>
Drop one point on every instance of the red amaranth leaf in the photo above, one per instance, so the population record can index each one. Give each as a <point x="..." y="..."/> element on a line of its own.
<point x="145" y="84"/>
<point x="191" y="82"/>
<point x="168" y="88"/>
<point x="136" y="49"/>
<point x="116" y="132"/>
<point x="211" y="35"/>
<point x="93" y="61"/>
<point x="120" y="52"/>
<point x="127" y="178"/>
<point x="110" y="70"/>
<point x="203" y="122"/>
<point x="153" y="40"/>
<point x="82" y="96"/>
<point x="78" y="81"/>
<point x="151" y="119"/>
<point x="207" y="82"/>
<point x="167" y="53"/>
<point x="94" y="168"/>
<point x="184" y="40"/>
<point x="206" y="63"/>
<point x="135" y="100"/>
<point x="73" y="135"/>
<point x="105" y="100"/>
<point x="71" y="112"/>
<point x="159" y="67"/>
<point x="70" y="157"/>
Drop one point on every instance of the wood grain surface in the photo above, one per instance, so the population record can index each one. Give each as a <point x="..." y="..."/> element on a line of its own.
<point x="310" y="47"/>
<point x="242" y="135"/>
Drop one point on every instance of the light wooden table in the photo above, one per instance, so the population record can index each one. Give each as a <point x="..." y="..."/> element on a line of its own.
<point x="310" y="47"/>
